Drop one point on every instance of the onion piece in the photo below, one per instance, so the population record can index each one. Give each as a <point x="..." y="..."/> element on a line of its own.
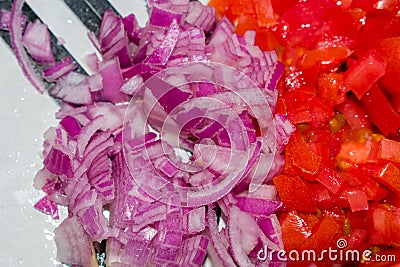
<point x="217" y="243"/>
<point x="5" y="20"/>
<point x="36" y="40"/>
<point x="20" y="53"/>
<point x="73" y="244"/>
<point x="47" y="206"/>
<point x="65" y="66"/>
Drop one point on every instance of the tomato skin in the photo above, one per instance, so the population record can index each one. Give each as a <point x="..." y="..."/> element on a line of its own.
<point x="388" y="174"/>
<point x="303" y="23"/>
<point x="281" y="7"/>
<point x="354" y="114"/>
<point x="386" y="149"/>
<point x="389" y="49"/>
<point x="325" y="231"/>
<point x="295" y="230"/>
<point x="381" y="218"/>
<point x="302" y="157"/>
<point x="385" y="118"/>
<point x="221" y="6"/>
<point x="357" y="199"/>
<point x="265" y="13"/>
<point x="321" y="196"/>
<point x="328" y="88"/>
<point x="361" y="76"/>
<point x="306" y="107"/>
<point x="325" y="58"/>
<point x="330" y="179"/>
<point x="374" y="191"/>
<point x="294" y="193"/>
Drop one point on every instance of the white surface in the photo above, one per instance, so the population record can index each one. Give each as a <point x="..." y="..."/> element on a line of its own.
<point x="27" y="235"/>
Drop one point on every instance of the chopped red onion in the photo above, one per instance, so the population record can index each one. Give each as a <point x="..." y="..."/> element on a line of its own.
<point x="36" y="40"/>
<point x="197" y="135"/>
<point x="65" y="66"/>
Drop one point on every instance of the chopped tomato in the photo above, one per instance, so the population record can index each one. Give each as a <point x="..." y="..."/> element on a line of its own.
<point x="325" y="231"/>
<point x="360" y="77"/>
<point x="330" y="179"/>
<point x="354" y="114"/>
<point x="295" y="230"/>
<point x="326" y="58"/>
<point x="357" y="199"/>
<point x="340" y="88"/>
<point x="302" y="157"/>
<point x="265" y="13"/>
<point x="294" y="193"/>
<point x="379" y="110"/>
<point x="329" y="88"/>
<point x="380" y="228"/>
<point x="355" y="152"/>
<point x="385" y="149"/>
<point x="388" y="174"/>
<point x="389" y="49"/>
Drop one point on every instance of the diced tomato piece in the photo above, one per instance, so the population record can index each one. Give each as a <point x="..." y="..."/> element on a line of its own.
<point x="221" y="5"/>
<point x="330" y="179"/>
<point x="373" y="190"/>
<point x="267" y="41"/>
<point x="281" y="7"/>
<point x="321" y="196"/>
<point x="380" y="228"/>
<point x="389" y="48"/>
<point x="306" y="107"/>
<point x="389" y="175"/>
<point x="386" y="149"/>
<point x="360" y="77"/>
<point x="395" y="101"/>
<point x="295" y="230"/>
<point x="294" y="193"/>
<point x="321" y="113"/>
<point x="326" y="58"/>
<point x="358" y="220"/>
<point x="354" y="114"/>
<point x="242" y="7"/>
<point x="346" y="23"/>
<point x="265" y="13"/>
<point x="322" y="149"/>
<point x="325" y="231"/>
<point x="246" y="22"/>
<point x="395" y="230"/>
<point x="390" y="81"/>
<point x="377" y="7"/>
<point x="303" y="158"/>
<point x="303" y="23"/>
<point x="337" y="141"/>
<point x="354" y="176"/>
<point x="302" y="79"/>
<point x="357" y="199"/>
<point x="379" y="110"/>
<point x="297" y="106"/>
<point x="355" y="152"/>
<point x="356" y="238"/>
<point x="329" y="88"/>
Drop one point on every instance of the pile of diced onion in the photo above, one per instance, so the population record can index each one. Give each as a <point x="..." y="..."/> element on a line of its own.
<point x="174" y="134"/>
